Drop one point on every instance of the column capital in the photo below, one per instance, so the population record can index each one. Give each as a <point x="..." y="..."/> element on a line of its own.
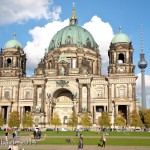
<point x="80" y="85"/>
<point x="88" y="85"/>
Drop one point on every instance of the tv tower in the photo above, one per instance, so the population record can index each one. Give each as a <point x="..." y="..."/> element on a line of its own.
<point x="142" y="65"/>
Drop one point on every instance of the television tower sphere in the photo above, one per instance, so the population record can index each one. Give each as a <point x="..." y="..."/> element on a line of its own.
<point x="142" y="63"/>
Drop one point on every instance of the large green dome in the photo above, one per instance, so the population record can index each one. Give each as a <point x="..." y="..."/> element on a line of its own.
<point x="73" y="35"/>
<point x="120" y="38"/>
<point x="13" y="44"/>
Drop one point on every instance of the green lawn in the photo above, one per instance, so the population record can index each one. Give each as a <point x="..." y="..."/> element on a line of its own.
<point x="92" y="138"/>
<point x="96" y="141"/>
<point x="85" y="133"/>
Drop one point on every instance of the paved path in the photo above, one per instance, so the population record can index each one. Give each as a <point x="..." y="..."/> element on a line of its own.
<point x="70" y="147"/>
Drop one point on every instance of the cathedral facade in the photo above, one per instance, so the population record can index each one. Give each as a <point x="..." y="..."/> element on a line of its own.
<point x="69" y="78"/>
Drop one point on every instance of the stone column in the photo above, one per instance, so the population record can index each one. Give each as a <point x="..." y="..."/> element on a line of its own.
<point x="88" y="97"/>
<point x="3" y="112"/>
<point x="93" y="67"/>
<point x="17" y="96"/>
<point x="116" y="109"/>
<point x="127" y="90"/>
<point x="80" y="98"/>
<point x="43" y="99"/>
<point x="109" y="98"/>
<point x="50" y="111"/>
<point x="0" y="92"/>
<point x="35" y="98"/>
<point x="71" y="65"/>
<point x="94" y="114"/>
<point x="128" y="114"/>
<point x="134" y="96"/>
<point x="8" y="113"/>
<point x="0" y="109"/>
<point x="105" y="91"/>
<point x="114" y="90"/>
<point x="104" y="108"/>
<point x="20" y="114"/>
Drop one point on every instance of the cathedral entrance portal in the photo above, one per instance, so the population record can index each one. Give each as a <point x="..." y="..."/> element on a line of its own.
<point x="64" y="104"/>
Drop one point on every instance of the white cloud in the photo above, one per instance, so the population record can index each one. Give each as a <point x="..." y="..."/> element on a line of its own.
<point x="103" y="34"/>
<point x="12" y="11"/>
<point x="41" y="38"/>
<point x="147" y="86"/>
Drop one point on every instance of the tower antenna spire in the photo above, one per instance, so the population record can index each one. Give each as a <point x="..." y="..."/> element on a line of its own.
<point x="141" y="38"/>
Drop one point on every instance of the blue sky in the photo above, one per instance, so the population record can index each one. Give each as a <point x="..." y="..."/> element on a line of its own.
<point x="35" y="22"/>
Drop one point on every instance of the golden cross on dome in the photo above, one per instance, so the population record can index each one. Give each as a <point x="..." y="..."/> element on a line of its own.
<point x="73" y="4"/>
<point x="120" y="28"/>
<point x="14" y="34"/>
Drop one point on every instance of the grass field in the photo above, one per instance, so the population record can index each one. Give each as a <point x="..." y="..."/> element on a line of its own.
<point x="96" y="141"/>
<point x="92" y="138"/>
<point x="85" y="133"/>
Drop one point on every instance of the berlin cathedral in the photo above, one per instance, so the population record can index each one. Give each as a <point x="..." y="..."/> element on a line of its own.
<point x="68" y="79"/>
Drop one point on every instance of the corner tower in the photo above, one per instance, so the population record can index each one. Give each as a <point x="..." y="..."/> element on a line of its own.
<point x="121" y="77"/>
<point x="121" y="55"/>
<point x="13" y="59"/>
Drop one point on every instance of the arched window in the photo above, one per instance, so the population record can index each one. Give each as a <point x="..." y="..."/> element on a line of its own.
<point x="121" y="58"/>
<point x="9" y="62"/>
<point x="65" y="119"/>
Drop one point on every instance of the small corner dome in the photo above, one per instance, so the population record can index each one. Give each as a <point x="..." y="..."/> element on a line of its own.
<point x="120" y="37"/>
<point x="13" y="44"/>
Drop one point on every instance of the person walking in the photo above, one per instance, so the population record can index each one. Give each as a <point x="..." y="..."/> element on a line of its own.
<point x="103" y="140"/>
<point x="80" y="143"/>
<point x="6" y="135"/>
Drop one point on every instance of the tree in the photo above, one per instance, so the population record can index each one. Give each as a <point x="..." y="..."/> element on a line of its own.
<point x="73" y="120"/>
<point x="1" y="120"/>
<point x="142" y="113"/>
<point x="14" y="119"/>
<point x="120" y="119"/>
<point x="27" y="120"/>
<point x="55" y="120"/>
<point x="135" y="119"/>
<point x="85" y="120"/>
<point x="147" y="118"/>
<point x="104" y="120"/>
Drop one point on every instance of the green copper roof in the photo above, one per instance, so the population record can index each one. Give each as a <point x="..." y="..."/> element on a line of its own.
<point x="73" y="35"/>
<point x="121" y="38"/>
<point x="13" y="44"/>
